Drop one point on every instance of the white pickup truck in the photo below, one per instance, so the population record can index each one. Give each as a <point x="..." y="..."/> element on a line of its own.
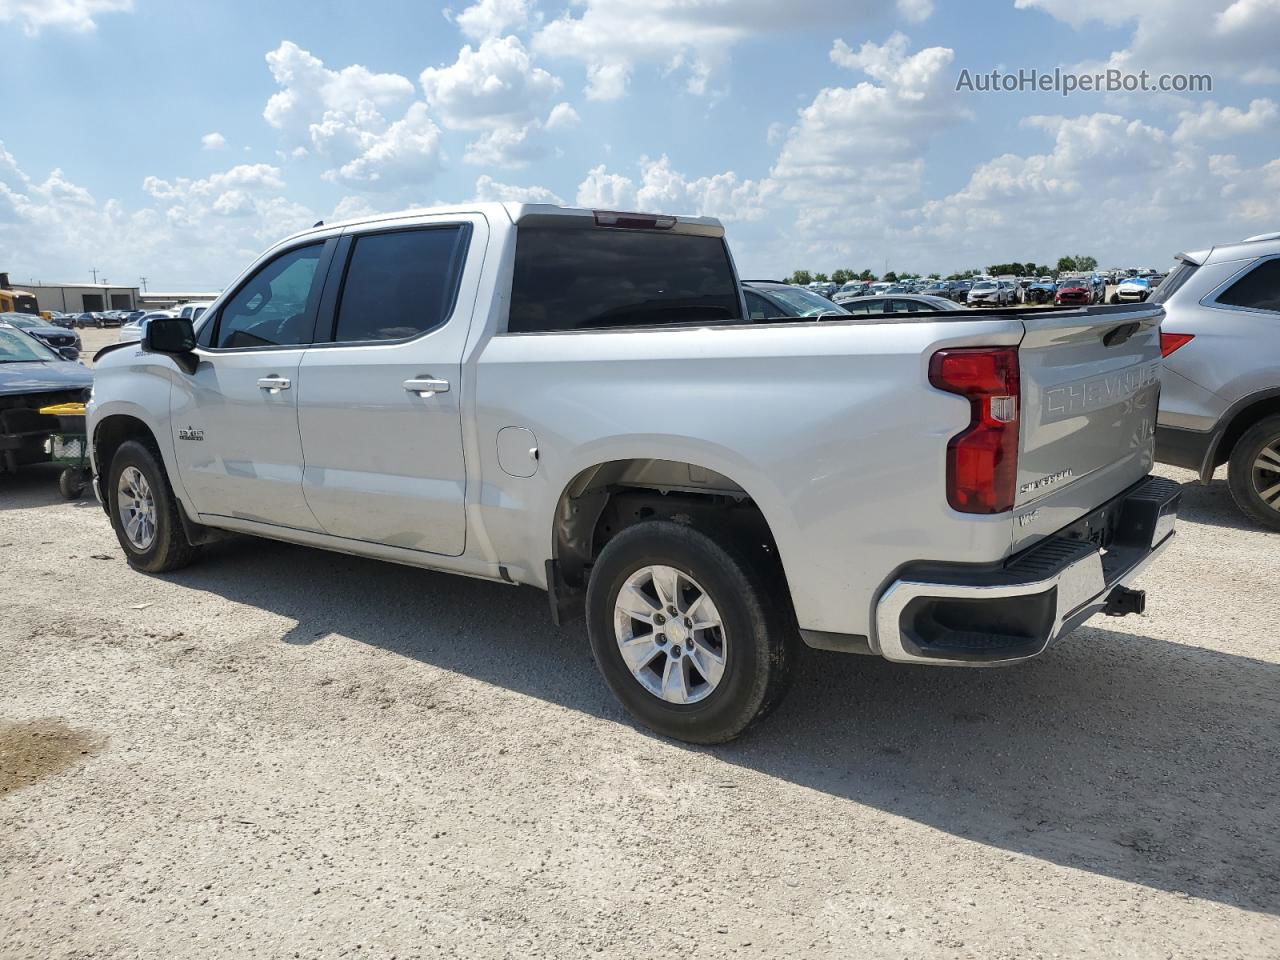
<point x="578" y="400"/>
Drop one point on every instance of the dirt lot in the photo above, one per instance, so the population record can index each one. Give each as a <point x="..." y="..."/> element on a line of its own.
<point x="282" y="752"/>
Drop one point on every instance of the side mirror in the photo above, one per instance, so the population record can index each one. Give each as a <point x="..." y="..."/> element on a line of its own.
<point x="174" y="337"/>
<point x="69" y="353"/>
<point x="169" y="335"/>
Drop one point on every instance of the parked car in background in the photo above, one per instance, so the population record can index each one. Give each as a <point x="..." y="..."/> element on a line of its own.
<point x="1220" y="402"/>
<point x="899" y="303"/>
<point x="960" y="290"/>
<point x="1132" y="290"/>
<point x="823" y="288"/>
<point x="773" y="298"/>
<point x="65" y="342"/>
<point x="581" y="405"/>
<point x="132" y="329"/>
<point x="854" y="288"/>
<point x="1041" y="291"/>
<point x="990" y="293"/>
<point x="193" y="311"/>
<point x="32" y="376"/>
<point x="1075" y="291"/>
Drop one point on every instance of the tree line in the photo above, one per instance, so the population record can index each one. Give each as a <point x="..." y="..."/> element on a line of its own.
<point x="1078" y="264"/>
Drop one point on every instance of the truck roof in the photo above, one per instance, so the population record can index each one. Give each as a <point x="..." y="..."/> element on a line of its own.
<point x="544" y="213"/>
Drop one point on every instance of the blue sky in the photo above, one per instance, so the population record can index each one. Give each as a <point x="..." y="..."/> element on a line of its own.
<point x="175" y="141"/>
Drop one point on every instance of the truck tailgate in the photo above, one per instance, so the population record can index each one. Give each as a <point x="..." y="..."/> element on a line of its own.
<point x="1090" y="388"/>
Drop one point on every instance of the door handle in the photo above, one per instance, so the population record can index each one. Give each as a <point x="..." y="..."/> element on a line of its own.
<point x="427" y="387"/>
<point x="274" y="385"/>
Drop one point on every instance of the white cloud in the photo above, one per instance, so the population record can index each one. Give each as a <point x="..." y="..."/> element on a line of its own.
<point x="602" y="190"/>
<point x="664" y="190"/>
<point x="496" y="89"/>
<point x="506" y="146"/>
<point x="407" y="152"/>
<point x="493" y="18"/>
<point x="855" y="155"/>
<point x="213" y="141"/>
<point x="489" y="189"/>
<point x="494" y="84"/>
<point x="78" y="15"/>
<point x="1212" y="122"/>
<point x="690" y="37"/>
<point x="191" y="233"/>
<point x="1173" y="196"/>
<point x="1235" y="38"/>
<point x="562" y="117"/>
<point x="310" y="90"/>
<point x="345" y="117"/>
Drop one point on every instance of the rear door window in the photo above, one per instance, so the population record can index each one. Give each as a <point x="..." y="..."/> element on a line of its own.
<point x="400" y="284"/>
<point x="597" y="278"/>
<point x="1259" y="289"/>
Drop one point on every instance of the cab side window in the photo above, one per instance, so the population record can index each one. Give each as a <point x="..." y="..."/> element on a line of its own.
<point x="400" y="284"/>
<point x="276" y="307"/>
<point x="1259" y="289"/>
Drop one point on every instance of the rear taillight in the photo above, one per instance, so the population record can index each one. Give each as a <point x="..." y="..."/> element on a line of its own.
<point x="1170" y="342"/>
<point x="982" y="461"/>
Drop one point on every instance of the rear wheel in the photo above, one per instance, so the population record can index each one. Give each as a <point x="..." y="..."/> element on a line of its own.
<point x="695" y="637"/>
<point x="1254" y="472"/>
<point x="144" y="511"/>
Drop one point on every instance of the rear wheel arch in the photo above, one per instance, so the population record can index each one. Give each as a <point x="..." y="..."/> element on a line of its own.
<point x="605" y="499"/>
<point x="1243" y="415"/>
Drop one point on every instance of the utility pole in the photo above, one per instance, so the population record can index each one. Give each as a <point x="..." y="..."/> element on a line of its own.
<point x="144" y="284"/>
<point x="94" y="271"/>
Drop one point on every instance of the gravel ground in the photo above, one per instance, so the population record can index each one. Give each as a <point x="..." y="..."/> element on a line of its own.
<point x="282" y="752"/>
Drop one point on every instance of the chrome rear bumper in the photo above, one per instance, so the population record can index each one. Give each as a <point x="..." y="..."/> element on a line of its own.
<point x="970" y="616"/>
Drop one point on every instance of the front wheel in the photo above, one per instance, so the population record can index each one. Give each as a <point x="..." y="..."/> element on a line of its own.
<point x="144" y="511"/>
<point x="695" y="638"/>
<point x="1253" y="474"/>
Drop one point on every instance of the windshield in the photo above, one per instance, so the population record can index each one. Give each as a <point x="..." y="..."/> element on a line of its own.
<point x="19" y="348"/>
<point x="20" y="320"/>
<point x="984" y="285"/>
<point x="804" y="303"/>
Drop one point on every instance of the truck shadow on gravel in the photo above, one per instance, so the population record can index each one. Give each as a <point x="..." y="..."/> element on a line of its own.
<point x="1214" y="505"/>
<point x="1124" y="755"/>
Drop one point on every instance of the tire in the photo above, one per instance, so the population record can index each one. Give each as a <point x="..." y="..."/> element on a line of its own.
<point x="757" y="636"/>
<point x="167" y="547"/>
<point x="1248" y="483"/>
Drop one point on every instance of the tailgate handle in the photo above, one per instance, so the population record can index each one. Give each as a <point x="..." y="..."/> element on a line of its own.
<point x="1118" y="335"/>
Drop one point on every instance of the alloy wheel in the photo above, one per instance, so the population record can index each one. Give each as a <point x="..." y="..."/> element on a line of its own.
<point x="136" y="506"/>
<point x="670" y="634"/>
<point x="1266" y="474"/>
